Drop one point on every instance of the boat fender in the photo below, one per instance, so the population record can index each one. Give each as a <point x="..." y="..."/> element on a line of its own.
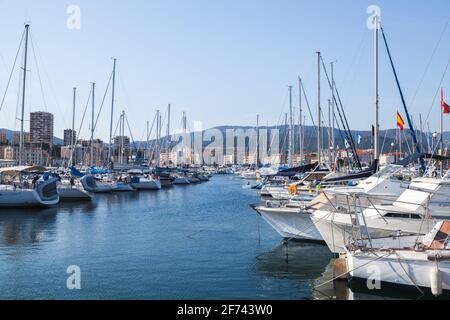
<point x="340" y="269"/>
<point x="436" y="281"/>
<point x="293" y="190"/>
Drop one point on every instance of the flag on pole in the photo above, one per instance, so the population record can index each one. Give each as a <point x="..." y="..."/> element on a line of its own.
<point x="444" y="106"/>
<point x="400" y="121"/>
<point x="347" y="145"/>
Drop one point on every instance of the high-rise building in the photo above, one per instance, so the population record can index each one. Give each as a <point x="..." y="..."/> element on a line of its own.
<point x="70" y="136"/>
<point x="118" y="140"/>
<point x="41" y="128"/>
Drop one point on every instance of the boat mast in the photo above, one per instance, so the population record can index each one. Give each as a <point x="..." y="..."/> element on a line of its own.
<point x="376" y="151"/>
<point x="122" y="134"/>
<point x="319" y="111"/>
<point x="21" y="140"/>
<point x="300" y="116"/>
<point x="333" y="102"/>
<point x="329" y="133"/>
<point x="112" y="110"/>
<point x="92" y="125"/>
<point x="158" y="124"/>
<point x="146" y="146"/>
<point x="184" y="121"/>
<point x="257" y="141"/>
<point x="290" y="129"/>
<point x="441" y="142"/>
<point x="168" y="133"/>
<point x="72" y="136"/>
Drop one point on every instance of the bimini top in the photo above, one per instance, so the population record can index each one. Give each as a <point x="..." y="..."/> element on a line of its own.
<point x="14" y="171"/>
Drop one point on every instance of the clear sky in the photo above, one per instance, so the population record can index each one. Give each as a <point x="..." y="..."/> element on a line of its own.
<point x="221" y="61"/>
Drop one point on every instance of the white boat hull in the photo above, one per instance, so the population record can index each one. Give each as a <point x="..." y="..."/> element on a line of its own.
<point x="147" y="185"/>
<point x="73" y="194"/>
<point x="400" y="267"/>
<point x="337" y="229"/>
<point x="290" y="223"/>
<point x="44" y="195"/>
<point x="123" y="187"/>
<point x="91" y="185"/>
<point x="181" y="181"/>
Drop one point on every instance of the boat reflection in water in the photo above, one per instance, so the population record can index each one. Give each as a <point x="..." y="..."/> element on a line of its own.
<point x="25" y="227"/>
<point x="297" y="262"/>
<point x="310" y="267"/>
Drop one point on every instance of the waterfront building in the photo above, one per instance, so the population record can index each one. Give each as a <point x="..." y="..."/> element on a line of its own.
<point x="41" y="128"/>
<point x="70" y="137"/>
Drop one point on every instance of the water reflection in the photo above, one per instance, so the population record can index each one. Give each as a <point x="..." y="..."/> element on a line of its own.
<point x="296" y="260"/>
<point x="20" y="227"/>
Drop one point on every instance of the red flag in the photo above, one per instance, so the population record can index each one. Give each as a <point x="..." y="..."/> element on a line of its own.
<point x="444" y="106"/>
<point x="400" y="121"/>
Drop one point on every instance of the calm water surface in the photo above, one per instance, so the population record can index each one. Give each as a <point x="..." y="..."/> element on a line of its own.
<point x="186" y="242"/>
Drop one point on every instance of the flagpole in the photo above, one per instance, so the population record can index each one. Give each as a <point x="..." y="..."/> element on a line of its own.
<point x="442" y="129"/>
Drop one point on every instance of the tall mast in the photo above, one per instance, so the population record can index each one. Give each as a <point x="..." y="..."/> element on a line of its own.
<point x="168" y="130"/>
<point x="112" y="110"/>
<point x="329" y="132"/>
<point x="184" y="135"/>
<point x="21" y="140"/>
<point x="290" y="128"/>
<point x="286" y="137"/>
<point x="333" y="102"/>
<point x="257" y="141"/>
<point x="72" y="136"/>
<point x="319" y="111"/>
<point x="92" y="125"/>
<point x="300" y="116"/>
<point x="146" y="145"/>
<point x="158" y="123"/>
<point x="122" y="134"/>
<point x="376" y="151"/>
<point x="421" y="130"/>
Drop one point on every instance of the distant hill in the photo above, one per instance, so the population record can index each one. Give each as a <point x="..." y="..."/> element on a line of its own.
<point x="387" y="137"/>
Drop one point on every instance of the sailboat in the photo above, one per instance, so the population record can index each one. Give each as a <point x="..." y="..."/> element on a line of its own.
<point x="419" y="263"/>
<point x="292" y="219"/>
<point x="20" y="192"/>
<point x="139" y="181"/>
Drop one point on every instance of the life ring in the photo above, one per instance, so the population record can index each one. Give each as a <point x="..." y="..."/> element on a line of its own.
<point x="292" y="190"/>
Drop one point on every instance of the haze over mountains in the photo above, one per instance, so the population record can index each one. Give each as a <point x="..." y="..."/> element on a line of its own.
<point x="387" y="137"/>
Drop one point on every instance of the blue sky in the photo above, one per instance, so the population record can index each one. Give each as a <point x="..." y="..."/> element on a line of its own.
<point x="222" y="61"/>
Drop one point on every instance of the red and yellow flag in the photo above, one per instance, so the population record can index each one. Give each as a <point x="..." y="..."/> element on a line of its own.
<point x="400" y="121"/>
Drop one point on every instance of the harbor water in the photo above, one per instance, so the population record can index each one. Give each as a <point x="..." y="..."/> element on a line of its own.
<point x="199" y="241"/>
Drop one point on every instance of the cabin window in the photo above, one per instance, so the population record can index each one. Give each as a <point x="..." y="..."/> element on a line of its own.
<point x="403" y="215"/>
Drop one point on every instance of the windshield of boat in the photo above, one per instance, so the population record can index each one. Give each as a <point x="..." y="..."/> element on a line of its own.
<point x="388" y="171"/>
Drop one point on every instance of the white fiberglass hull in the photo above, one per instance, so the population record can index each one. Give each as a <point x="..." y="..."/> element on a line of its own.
<point x="123" y="187"/>
<point x="398" y="267"/>
<point x="181" y="181"/>
<point x="250" y="175"/>
<point x="337" y="229"/>
<point x="147" y="185"/>
<point x="73" y="194"/>
<point x="91" y="185"/>
<point x="23" y="198"/>
<point x="290" y="223"/>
